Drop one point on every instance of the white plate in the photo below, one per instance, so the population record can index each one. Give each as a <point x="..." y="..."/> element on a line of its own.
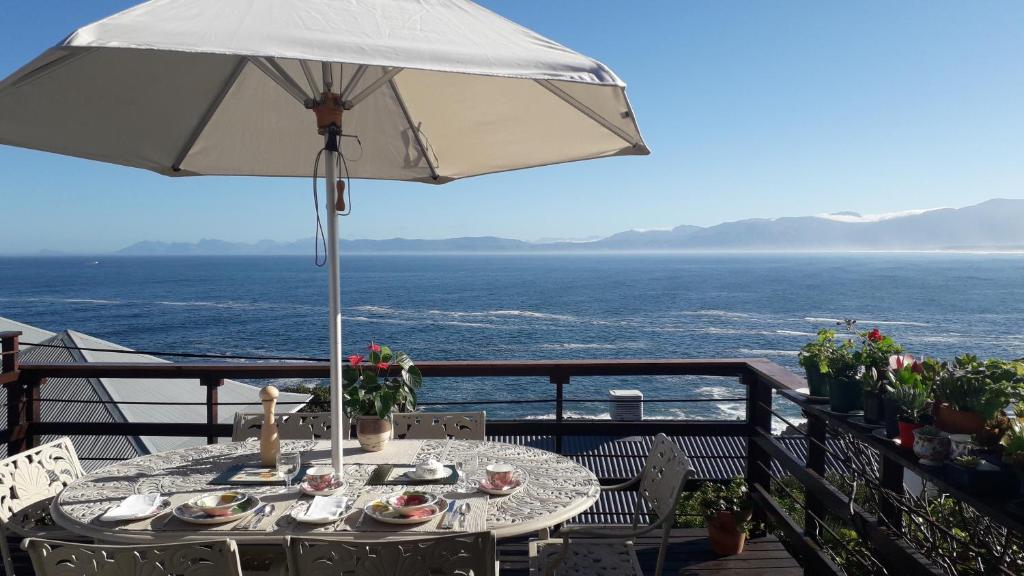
<point x="192" y="515"/>
<point x="440" y="507"/>
<point x="165" y="503"/>
<point x="299" y="515"/>
<point x="483" y="487"/>
<point x="339" y="486"/>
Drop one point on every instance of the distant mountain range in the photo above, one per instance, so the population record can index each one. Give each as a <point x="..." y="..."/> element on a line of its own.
<point x="992" y="225"/>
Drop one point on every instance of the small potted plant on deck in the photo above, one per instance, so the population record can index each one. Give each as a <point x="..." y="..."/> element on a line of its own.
<point x="814" y="358"/>
<point x="727" y="511"/>
<point x="962" y="472"/>
<point x="371" y="394"/>
<point x="1013" y="449"/>
<point x="844" y="387"/>
<point x="874" y="358"/>
<point x="970" y="393"/>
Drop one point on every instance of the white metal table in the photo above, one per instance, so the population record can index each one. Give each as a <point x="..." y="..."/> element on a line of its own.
<point x="555" y="490"/>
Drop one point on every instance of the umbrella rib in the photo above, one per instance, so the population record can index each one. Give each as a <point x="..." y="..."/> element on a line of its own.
<point x="51" y="66"/>
<point x="389" y="73"/>
<point x="588" y="112"/>
<point x="285" y="82"/>
<point x="308" y="73"/>
<point x="414" y="129"/>
<point x="214" y="106"/>
<point x="356" y="77"/>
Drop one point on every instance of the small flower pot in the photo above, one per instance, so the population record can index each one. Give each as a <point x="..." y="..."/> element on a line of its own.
<point x="930" y="450"/>
<point x="906" y="433"/>
<point x="817" y="383"/>
<point x="891" y="411"/>
<point x="960" y="445"/>
<point x="724" y="533"/>
<point x="955" y="421"/>
<point x="873" y="409"/>
<point x="374" y="433"/>
<point x="845" y="395"/>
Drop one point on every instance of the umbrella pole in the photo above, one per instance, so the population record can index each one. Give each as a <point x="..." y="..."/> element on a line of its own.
<point x="334" y="303"/>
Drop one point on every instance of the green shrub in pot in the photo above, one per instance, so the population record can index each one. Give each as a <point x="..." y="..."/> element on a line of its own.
<point x="970" y="392"/>
<point x="814" y="359"/>
<point x="874" y="356"/>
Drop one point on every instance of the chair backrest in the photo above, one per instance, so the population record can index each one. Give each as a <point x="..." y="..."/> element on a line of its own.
<point x="30" y="479"/>
<point x="664" y="475"/>
<point x="458" y="554"/>
<point x="290" y="426"/>
<point x="200" y="558"/>
<point x="440" y="425"/>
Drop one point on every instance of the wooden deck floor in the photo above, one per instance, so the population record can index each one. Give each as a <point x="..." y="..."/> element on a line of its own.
<point x="689" y="554"/>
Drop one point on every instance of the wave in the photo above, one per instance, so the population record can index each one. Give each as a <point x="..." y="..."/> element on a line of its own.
<point x="867" y="322"/>
<point x="373" y="309"/>
<point x="754" y="352"/>
<point x="587" y="346"/>
<point x="793" y="333"/>
<point x="86" y="301"/>
<point x="742" y="332"/>
<point x="718" y="313"/>
<point x="531" y="314"/>
<point x="717" y="392"/>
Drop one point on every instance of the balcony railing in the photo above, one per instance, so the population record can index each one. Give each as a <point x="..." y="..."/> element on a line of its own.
<point x="883" y="546"/>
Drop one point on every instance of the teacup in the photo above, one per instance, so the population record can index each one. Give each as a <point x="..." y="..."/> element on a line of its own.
<point x="500" y="475"/>
<point x="320" y="477"/>
<point x="430" y="469"/>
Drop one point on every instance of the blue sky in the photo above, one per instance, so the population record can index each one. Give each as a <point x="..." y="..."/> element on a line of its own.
<point x="752" y="109"/>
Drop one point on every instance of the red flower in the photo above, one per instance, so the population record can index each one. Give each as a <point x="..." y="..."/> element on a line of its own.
<point x="875" y="335"/>
<point x="382" y="366"/>
<point x="374" y="347"/>
<point x="355" y="359"/>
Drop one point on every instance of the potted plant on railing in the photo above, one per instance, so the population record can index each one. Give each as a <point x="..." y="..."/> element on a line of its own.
<point x="726" y="509"/>
<point x="814" y="358"/>
<point x="971" y="393"/>
<point x="910" y="394"/>
<point x="874" y="358"/>
<point x="1013" y="449"/>
<point x="372" y="395"/>
<point x="844" y="388"/>
<point x="931" y="446"/>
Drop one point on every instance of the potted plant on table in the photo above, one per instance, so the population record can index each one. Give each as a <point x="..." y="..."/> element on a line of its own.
<point x="727" y="511"/>
<point x="970" y="393"/>
<point x="372" y="394"/>
<point x="814" y="358"/>
<point x="874" y="358"/>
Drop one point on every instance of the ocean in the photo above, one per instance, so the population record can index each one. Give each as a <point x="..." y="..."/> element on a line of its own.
<point x="503" y="307"/>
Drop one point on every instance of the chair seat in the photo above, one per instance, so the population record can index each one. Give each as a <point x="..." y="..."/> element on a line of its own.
<point x="586" y="557"/>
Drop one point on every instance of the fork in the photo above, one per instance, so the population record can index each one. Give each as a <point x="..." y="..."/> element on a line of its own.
<point x="463" y="513"/>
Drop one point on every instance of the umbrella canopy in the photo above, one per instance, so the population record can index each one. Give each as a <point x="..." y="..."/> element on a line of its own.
<point x="420" y="90"/>
<point x="433" y="90"/>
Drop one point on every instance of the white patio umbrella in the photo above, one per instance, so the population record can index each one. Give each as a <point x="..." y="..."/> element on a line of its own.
<point x="420" y="90"/>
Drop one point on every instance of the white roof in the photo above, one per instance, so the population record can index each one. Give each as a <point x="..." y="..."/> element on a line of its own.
<point x="158" y="390"/>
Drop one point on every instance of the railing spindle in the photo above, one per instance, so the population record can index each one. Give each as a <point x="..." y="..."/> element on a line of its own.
<point x="817" y="436"/>
<point x="559" y="380"/>
<point x="759" y="402"/>
<point x="212" y="386"/>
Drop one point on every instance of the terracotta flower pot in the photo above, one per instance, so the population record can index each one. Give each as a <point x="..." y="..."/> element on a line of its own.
<point x="724" y="533"/>
<point x="948" y="419"/>
<point x="907" y="434"/>
<point x="373" y="432"/>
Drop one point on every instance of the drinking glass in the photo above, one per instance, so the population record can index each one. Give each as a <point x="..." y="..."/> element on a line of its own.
<point x="288" y="464"/>
<point x="466" y="466"/>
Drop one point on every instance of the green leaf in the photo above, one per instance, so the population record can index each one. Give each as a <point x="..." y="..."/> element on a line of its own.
<point x="385" y="354"/>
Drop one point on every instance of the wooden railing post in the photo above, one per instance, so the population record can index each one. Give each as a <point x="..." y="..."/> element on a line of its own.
<point x="212" y="386"/>
<point x="817" y="436"/>
<point x="891" y="479"/>
<point x="559" y="380"/>
<point x="759" y="402"/>
<point x="9" y="350"/>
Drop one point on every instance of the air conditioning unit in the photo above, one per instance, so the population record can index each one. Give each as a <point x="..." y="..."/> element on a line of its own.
<point x="627" y="405"/>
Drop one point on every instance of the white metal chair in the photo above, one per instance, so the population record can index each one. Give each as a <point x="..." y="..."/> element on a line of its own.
<point x="440" y="425"/>
<point x="290" y="426"/>
<point x="200" y="558"/>
<point x="583" y="551"/>
<point x="470" y="554"/>
<point x="28" y="482"/>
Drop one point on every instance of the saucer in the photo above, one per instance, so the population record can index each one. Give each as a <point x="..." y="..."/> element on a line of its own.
<point x="417" y="476"/>
<point x="512" y="488"/>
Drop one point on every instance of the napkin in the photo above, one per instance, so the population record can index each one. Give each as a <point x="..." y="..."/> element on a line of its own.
<point x="132" y="507"/>
<point x="325" y="507"/>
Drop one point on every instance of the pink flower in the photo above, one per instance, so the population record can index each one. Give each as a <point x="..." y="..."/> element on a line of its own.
<point x="875" y="335"/>
<point x="355" y="360"/>
<point x="374" y="347"/>
<point x="382" y="366"/>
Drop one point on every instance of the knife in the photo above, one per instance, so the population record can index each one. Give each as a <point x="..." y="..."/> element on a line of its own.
<point x="264" y="514"/>
<point x="449" y="515"/>
<point x="246" y="522"/>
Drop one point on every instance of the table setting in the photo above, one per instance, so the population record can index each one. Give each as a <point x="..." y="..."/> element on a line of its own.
<point x="422" y="486"/>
